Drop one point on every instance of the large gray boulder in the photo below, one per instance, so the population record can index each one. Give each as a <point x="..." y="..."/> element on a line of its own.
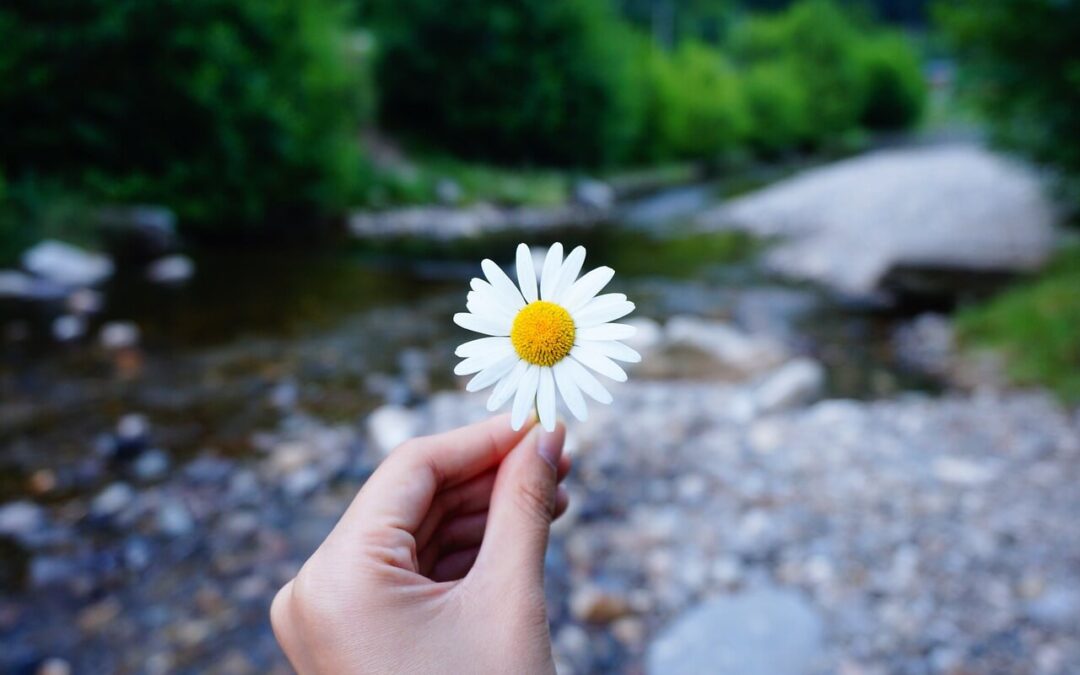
<point x="861" y="224"/>
<point x="65" y="264"/>
<point x="767" y="631"/>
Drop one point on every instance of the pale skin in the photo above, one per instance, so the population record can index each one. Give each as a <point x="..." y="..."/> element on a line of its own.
<point x="437" y="566"/>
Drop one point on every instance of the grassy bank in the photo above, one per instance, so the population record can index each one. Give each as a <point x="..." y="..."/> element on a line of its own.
<point x="1036" y="326"/>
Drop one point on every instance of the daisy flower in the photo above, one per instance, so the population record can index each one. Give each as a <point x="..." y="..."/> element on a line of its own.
<point x="544" y="336"/>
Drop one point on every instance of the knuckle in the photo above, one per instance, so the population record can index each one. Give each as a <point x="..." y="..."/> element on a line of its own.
<point x="534" y="498"/>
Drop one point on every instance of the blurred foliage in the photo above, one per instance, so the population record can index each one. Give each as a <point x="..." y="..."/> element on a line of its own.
<point x="1021" y="63"/>
<point x="35" y="209"/>
<point x="1037" y="327"/>
<point x="232" y="112"/>
<point x="547" y="81"/>
<point x="775" y="99"/>
<point x="819" y="43"/>
<point x="895" y="90"/>
<point x="694" y="104"/>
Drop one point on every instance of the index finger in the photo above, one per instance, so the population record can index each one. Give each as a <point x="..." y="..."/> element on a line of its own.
<point x="399" y="493"/>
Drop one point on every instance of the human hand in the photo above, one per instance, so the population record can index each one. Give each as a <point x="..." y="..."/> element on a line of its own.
<point x="438" y="563"/>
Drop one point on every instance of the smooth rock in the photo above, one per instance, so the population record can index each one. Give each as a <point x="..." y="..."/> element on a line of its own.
<point x="173" y="269"/>
<point x="67" y="264"/>
<point x="594" y="194"/>
<point x="151" y="465"/>
<point x="138" y="232"/>
<point x="391" y="425"/>
<point x="85" y="301"/>
<point x="174" y="519"/>
<point x="68" y="327"/>
<point x="945" y="207"/>
<point x="22" y="520"/>
<point x="766" y="631"/>
<point x="116" y="335"/>
<point x="728" y="345"/>
<point x="20" y="286"/>
<point x="797" y="382"/>
<point x="112" y="500"/>
<point x="596" y="604"/>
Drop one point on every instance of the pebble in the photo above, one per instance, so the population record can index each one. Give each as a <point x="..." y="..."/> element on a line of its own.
<point x="116" y="335"/>
<point x="112" y="500"/>
<point x="68" y="327"/>
<point x="173" y="269"/>
<point x="595" y="604"/>
<point x="22" y="520"/>
<point x="391" y="425"/>
<point x="151" y="465"/>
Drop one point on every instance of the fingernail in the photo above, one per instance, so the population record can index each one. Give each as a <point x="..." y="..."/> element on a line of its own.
<point x="550" y="447"/>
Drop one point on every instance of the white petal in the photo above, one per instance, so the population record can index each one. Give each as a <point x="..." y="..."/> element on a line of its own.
<point x="598" y="362"/>
<point x="480" y="346"/>
<point x="586" y="382"/>
<point x="594" y="314"/>
<point x="484" y="307"/>
<point x="545" y="399"/>
<point x="493" y="373"/>
<point x="507" y="386"/>
<point x="475" y="364"/>
<point x="526" y="273"/>
<point x="569" y="272"/>
<point x="586" y="287"/>
<point x="483" y="325"/>
<point x="505" y="288"/>
<point x="525" y="396"/>
<point x="549" y="276"/>
<point x="616" y="350"/>
<point x="570" y="392"/>
<point x="606" y="331"/>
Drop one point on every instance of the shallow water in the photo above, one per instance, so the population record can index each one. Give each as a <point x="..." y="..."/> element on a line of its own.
<point x="264" y="340"/>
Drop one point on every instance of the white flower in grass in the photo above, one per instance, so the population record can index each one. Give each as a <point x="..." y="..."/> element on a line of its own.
<point x="545" y="337"/>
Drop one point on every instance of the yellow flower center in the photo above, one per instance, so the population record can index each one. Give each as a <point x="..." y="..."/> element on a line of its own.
<point x="543" y="333"/>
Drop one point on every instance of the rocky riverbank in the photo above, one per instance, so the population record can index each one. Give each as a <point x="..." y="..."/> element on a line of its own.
<point x="913" y="535"/>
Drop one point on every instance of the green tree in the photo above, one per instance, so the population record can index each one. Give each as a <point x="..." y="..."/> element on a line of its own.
<point x="515" y="80"/>
<point x="233" y="112"/>
<point x="1021" y="63"/>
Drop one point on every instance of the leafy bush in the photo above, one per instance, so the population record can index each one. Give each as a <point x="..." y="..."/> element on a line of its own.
<point x="775" y="99"/>
<point x="819" y="43"/>
<point x="1021" y="62"/>
<point x="895" y="90"/>
<point x="695" y="107"/>
<point x="1037" y="327"/>
<point x="518" y="80"/>
<point x="232" y="112"/>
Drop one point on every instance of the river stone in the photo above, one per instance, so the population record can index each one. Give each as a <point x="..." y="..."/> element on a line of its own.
<point x="766" y="631"/>
<point x="67" y="264"/>
<point x="852" y="224"/>
<point x="173" y="269"/>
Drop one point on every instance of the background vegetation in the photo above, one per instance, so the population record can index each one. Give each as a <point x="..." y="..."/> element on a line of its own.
<point x="244" y="116"/>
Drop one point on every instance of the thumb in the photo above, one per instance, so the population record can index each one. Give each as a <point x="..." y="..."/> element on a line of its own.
<point x="521" y="510"/>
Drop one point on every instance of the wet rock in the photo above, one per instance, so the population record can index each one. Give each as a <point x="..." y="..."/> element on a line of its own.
<point x="390" y="425"/>
<point x="174" y="519"/>
<point x="173" y="269"/>
<point x="55" y="666"/>
<point x="151" y="465"/>
<point x="132" y="437"/>
<point x="765" y="631"/>
<point x="112" y="500"/>
<point x="797" y="382"/>
<point x="21" y="286"/>
<point x="138" y="232"/>
<point x="66" y="264"/>
<point x="594" y="194"/>
<point x="68" y="327"/>
<point x="116" y="335"/>
<point x="958" y="208"/>
<point x="597" y="604"/>
<point x="728" y="345"/>
<point x="22" y="520"/>
<point x="85" y="301"/>
<point x="962" y="471"/>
